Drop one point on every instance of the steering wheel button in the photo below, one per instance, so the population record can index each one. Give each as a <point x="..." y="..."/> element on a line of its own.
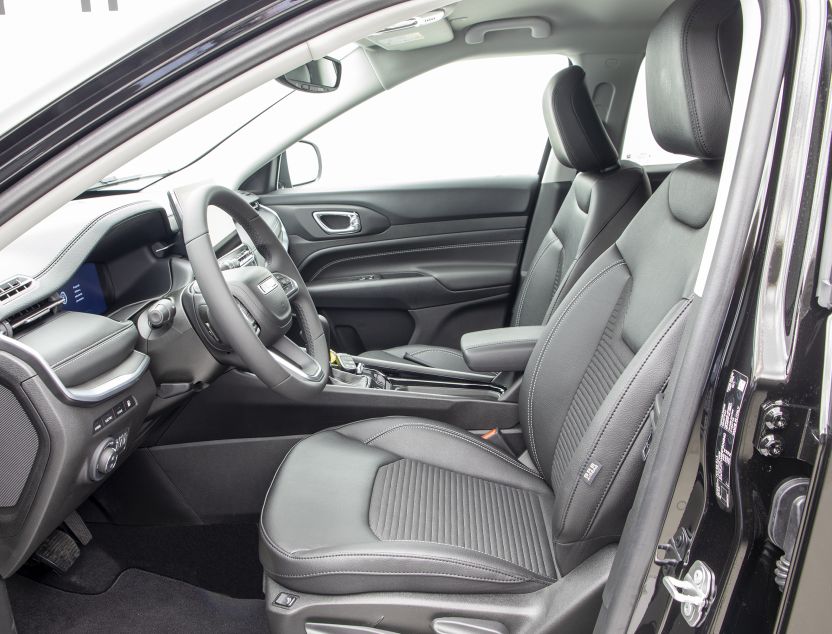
<point x="267" y="285"/>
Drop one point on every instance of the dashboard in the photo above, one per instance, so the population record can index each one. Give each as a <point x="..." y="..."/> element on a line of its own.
<point x="94" y="348"/>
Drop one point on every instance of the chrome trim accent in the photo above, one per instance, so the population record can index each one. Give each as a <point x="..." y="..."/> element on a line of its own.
<point x="296" y="370"/>
<point x="73" y="395"/>
<point x="354" y="221"/>
<point x="773" y="345"/>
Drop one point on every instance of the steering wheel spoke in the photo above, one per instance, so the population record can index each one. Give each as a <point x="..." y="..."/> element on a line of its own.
<point x="252" y="307"/>
<point x="296" y="360"/>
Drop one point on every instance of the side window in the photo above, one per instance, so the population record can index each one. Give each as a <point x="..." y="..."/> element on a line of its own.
<point x="475" y="118"/>
<point x="639" y="144"/>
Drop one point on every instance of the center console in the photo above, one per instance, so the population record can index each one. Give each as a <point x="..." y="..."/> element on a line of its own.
<point x="369" y="373"/>
<point x="496" y="357"/>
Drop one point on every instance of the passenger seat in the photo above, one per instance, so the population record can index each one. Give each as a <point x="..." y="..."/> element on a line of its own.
<point x="605" y="195"/>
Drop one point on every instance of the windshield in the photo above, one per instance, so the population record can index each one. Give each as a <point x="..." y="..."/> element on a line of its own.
<point x="50" y="46"/>
<point x="192" y="142"/>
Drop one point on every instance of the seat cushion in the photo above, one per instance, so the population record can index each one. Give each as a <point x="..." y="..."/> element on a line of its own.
<point x="417" y="354"/>
<point x="406" y="504"/>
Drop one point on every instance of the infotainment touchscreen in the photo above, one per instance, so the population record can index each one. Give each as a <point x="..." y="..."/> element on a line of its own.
<point x="83" y="293"/>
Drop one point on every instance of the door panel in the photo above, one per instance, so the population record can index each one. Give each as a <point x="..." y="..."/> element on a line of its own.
<point x="428" y="263"/>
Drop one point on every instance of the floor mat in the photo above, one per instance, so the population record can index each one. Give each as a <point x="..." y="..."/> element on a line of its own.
<point x="218" y="557"/>
<point x="138" y="601"/>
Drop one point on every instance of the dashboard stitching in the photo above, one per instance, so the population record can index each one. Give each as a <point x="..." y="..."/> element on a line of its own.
<point x="77" y="355"/>
<point x="83" y="231"/>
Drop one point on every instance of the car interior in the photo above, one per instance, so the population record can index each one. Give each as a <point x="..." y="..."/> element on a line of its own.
<point x="234" y="402"/>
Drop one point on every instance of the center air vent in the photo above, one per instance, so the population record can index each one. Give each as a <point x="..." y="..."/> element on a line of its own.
<point x="13" y="287"/>
<point x="31" y="315"/>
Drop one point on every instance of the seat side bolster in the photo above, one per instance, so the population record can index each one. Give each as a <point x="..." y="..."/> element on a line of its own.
<point x="596" y="491"/>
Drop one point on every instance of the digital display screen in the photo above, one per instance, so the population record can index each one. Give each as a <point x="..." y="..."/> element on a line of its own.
<point x="83" y="294"/>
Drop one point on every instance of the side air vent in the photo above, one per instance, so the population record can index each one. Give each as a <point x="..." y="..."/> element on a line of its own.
<point x="14" y="287"/>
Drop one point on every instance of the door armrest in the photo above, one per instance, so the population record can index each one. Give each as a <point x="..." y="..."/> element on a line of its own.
<point x="500" y="349"/>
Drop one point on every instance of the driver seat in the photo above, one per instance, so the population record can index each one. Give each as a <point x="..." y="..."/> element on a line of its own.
<point x="393" y="522"/>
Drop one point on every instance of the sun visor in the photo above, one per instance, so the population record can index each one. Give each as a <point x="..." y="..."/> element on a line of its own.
<point x="430" y="29"/>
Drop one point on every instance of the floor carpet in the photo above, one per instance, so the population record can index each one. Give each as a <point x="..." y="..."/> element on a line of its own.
<point x="218" y="557"/>
<point x="138" y="601"/>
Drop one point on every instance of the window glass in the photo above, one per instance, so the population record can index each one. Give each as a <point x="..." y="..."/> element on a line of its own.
<point x="639" y="144"/>
<point x="49" y="46"/>
<point x="474" y="118"/>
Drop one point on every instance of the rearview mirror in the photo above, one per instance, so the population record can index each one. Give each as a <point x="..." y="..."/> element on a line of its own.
<point x="320" y="75"/>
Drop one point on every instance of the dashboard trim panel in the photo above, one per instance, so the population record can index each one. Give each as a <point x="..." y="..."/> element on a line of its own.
<point x="76" y="395"/>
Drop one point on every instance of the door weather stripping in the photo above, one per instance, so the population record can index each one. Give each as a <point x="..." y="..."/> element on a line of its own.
<point x="695" y="592"/>
<point x="774" y="339"/>
<point x="784" y="523"/>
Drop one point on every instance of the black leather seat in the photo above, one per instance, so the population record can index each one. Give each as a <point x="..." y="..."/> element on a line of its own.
<point x="604" y="196"/>
<point x="412" y="505"/>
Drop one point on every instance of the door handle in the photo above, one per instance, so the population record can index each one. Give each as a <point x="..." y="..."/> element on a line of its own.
<point x="338" y="222"/>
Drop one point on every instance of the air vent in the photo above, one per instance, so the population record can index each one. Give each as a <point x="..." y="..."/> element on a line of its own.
<point x="32" y="314"/>
<point x="13" y="287"/>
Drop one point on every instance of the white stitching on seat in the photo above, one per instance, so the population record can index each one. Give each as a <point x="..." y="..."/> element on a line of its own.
<point x="472" y="550"/>
<point x="445" y="560"/>
<point x="448" y="432"/>
<point x="542" y="354"/>
<point x="603" y="496"/>
<point x="553" y="240"/>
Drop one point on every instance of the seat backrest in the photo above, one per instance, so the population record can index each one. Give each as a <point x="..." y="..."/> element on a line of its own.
<point x="603" y="198"/>
<point x="608" y="349"/>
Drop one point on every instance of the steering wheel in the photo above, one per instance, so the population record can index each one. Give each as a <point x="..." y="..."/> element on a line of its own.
<point x="245" y="313"/>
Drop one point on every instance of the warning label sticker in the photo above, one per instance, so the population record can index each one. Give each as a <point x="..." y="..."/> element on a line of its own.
<point x="726" y="435"/>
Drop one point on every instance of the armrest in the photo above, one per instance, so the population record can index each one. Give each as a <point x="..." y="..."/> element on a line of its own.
<point x="500" y="349"/>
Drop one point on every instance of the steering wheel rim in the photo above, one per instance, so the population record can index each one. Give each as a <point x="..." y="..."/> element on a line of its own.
<point x="281" y="366"/>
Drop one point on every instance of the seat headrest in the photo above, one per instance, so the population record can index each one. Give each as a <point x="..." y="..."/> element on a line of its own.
<point x="692" y="61"/>
<point x="578" y="137"/>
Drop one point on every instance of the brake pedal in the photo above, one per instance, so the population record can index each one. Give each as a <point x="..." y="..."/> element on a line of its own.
<point x="78" y="528"/>
<point x="59" y="551"/>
